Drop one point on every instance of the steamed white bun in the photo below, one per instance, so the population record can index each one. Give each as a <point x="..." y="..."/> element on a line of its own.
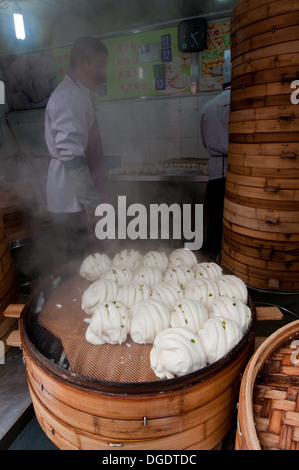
<point x="176" y="352"/>
<point x="98" y="292"/>
<point x="94" y="266"/>
<point x="181" y="275"/>
<point x="205" y="290"/>
<point x="190" y="314"/>
<point x="148" y="274"/>
<point x="182" y="256"/>
<point x="119" y="274"/>
<point x="234" y="309"/>
<point x="218" y="336"/>
<point x="110" y="323"/>
<point x="208" y="270"/>
<point x="148" y="318"/>
<point x="233" y="287"/>
<point x="168" y="292"/>
<point x="158" y="259"/>
<point x="133" y="293"/>
<point x="130" y="258"/>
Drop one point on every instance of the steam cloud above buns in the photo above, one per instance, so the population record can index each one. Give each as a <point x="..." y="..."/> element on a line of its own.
<point x="191" y="312"/>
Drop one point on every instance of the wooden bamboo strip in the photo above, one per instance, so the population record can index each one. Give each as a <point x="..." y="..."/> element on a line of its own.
<point x="262" y="182"/>
<point x="126" y="427"/>
<point x="253" y="165"/>
<point x="252" y="65"/>
<point x="259" y="279"/>
<point x="265" y="149"/>
<point x="267" y="171"/>
<point x="288" y="33"/>
<point x="286" y="270"/>
<point x="268" y="126"/>
<point x="268" y="51"/>
<point x="260" y="225"/>
<point x="289" y="196"/>
<point x="262" y="90"/>
<point x="282" y="75"/>
<point x="263" y="137"/>
<point x="264" y="26"/>
<point x="257" y="114"/>
<point x="245" y="12"/>
<point x="271" y="254"/>
<point x="263" y="246"/>
<point x="14" y="310"/>
<point x="266" y="236"/>
<point x="75" y="438"/>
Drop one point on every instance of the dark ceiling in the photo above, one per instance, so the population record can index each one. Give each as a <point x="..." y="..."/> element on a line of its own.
<point x="55" y="22"/>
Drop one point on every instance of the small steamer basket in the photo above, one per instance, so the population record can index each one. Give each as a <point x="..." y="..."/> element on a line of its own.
<point x="102" y="397"/>
<point x="268" y="411"/>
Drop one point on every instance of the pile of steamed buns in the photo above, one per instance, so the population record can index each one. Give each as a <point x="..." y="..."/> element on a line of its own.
<point x="192" y="313"/>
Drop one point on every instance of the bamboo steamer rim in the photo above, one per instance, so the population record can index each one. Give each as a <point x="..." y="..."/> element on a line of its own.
<point x="248" y="12"/>
<point x="265" y="25"/>
<point x="96" y="385"/>
<point x="245" y="407"/>
<point x="286" y="34"/>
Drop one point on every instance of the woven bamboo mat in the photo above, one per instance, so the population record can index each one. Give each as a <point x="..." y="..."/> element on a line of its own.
<point x="63" y="317"/>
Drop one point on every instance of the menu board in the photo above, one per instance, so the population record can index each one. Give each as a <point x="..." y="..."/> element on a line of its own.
<point x="212" y="58"/>
<point x="140" y="64"/>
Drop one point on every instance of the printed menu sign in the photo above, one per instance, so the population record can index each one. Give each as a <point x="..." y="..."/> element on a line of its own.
<point x="212" y="58"/>
<point x="146" y="64"/>
<point x="142" y="64"/>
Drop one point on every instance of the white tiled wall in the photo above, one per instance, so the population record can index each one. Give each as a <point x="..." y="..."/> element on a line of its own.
<point x="145" y="131"/>
<point x="139" y="131"/>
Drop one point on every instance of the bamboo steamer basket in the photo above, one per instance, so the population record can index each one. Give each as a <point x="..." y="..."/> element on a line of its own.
<point x="262" y="183"/>
<point x="268" y="411"/>
<point x="8" y="286"/>
<point x="78" y="411"/>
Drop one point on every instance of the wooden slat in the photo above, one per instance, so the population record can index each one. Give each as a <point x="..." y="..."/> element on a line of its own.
<point x="264" y="149"/>
<point x="13" y="339"/>
<point x="268" y="313"/>
<point x="13" y="310"/>
<point x="269" y="63"/>
<point x="259" y="77"/>
<point x="245" y="12"/>
<point x="265" y="26"/>
<point x="288" y="33"/>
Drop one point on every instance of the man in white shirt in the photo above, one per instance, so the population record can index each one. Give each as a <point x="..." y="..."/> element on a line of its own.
<point x="214" y="133"/>
<point x="76" y="176"/>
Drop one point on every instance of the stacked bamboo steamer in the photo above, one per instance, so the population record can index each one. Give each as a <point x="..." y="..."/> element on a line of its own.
<point x="8" y="289"/>
<point x="261" y="206"/>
